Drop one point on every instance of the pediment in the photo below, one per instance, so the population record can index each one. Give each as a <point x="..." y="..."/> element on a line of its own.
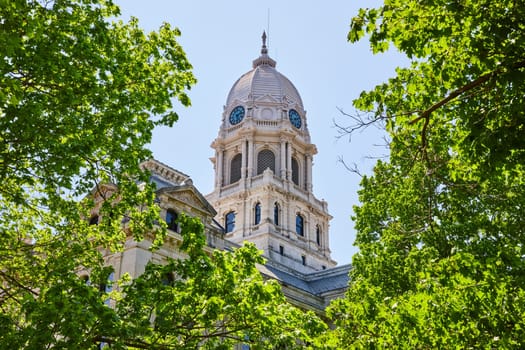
<point x="267" y="98"/>
<point x="190" y="196"/>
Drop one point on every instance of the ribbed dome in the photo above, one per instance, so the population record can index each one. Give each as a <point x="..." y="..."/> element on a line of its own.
<point x="264" y="80"/>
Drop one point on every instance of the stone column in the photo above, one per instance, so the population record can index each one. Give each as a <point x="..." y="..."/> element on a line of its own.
<point x="244" y="157"/>
<point x="250" y="158"/>
<point x="220" y="167"/>
<point x="283" y="158"/>
<point x="285" y="216"/>
<point x="309" y="186"/>
<point x="289" y="162"/>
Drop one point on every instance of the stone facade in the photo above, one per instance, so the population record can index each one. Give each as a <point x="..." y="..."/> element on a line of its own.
<point x="263" y="193"/>
<point x="263" y="171"/>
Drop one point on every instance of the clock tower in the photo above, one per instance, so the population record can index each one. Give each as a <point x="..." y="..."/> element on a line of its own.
<point x="263" y="171"/>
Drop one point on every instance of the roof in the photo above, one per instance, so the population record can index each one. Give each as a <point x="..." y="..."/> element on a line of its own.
<point x="163" y="175"/>
<point x="317" y="283"/>
<point x="170" y="180"/>
<point x="263" y="80"/>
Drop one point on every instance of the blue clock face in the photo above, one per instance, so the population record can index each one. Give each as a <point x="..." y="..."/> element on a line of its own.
<point x="295" y="118"/>
<point x="237" y="115"/>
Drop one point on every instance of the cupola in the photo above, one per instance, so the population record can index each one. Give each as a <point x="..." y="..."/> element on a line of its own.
<point x="264" y="82"/>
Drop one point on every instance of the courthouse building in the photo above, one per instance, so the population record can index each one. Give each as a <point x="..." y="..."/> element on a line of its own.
<point x="263" y="192"/>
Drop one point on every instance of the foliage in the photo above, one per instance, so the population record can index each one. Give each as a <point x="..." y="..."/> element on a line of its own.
<point x="440" y="227"/>
<point x="79" y="98"/>
<point x="80" y="94"/>
<point x="217" y="300"/>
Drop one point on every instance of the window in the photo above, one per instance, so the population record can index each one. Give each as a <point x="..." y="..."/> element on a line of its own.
<point x="276" y="214"/>
<point x="299" y="225"/>
<point x="235" y="168"/>
<point x="295" y="171"/>
<point x="318" y="235"/>
<point x="303" y="259"/>
<point x="257" y="214"/>
<point x="229" y="222"/>
<point x="168" y="279"/>
<point x="171" y="220"/>
<point x="93" y="220"/>
<point x="265" y="159"/>
<point x="281" y="250"/>
<point x="107" y="287"/>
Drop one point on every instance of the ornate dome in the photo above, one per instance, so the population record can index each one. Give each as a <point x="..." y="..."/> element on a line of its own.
<point x="264" y="80"/>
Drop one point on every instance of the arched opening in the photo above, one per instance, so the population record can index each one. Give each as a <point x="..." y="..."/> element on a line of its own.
<point x="168" y="278"/>
<point x="265" y="159"/>
<point x="257" y="214"/>
<point x="295" y="171"/>
<point x="171" y="220"/>
<point x="235" y="168"/>
<point x="276" y="214"/>
<point x="299" y="225"/>
<point x="229" y="222"/>
<point x="93" y="220"/>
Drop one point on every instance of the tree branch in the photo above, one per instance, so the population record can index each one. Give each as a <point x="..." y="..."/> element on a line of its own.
<point x="351" y="168"/>
<point x="482" y="79"/>
<point x="359" y="122"/>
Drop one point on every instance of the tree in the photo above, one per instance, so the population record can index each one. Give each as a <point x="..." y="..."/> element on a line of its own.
<point x="79" y="98"/>
<point x="440" y="227"/>
<point x="216" y="301"/>
<point x="80" y="94"/>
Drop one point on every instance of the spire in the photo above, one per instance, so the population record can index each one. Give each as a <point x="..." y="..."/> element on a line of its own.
<point x="264" y="49"/>
<point x="264" y="59"/>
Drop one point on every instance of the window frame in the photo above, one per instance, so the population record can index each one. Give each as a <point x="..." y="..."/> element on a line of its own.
<point x="295" y="171"/>
<point x="235" y="168"/>
<point x="299" y="224"/>
<point x="260" y="165"/>
<point x="94" y="219"/>
<point x="229" y="222"/>
<point x="257" y="213"/>
<point x="276" y="212"/>
<point x="172" y="224"/>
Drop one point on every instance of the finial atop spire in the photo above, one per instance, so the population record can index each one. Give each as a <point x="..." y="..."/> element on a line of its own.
<point x="264" y="50"/>
<point x="264" y="59"/>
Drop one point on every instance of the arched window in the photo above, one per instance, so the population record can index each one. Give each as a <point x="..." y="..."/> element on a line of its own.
<point x="229" y="221"/>
<point x="299" y="225"/>
<point x="86" y="280"/>
<point x="235" y="168"/>
<point x="265" y="159"/>
<point x="168" y="279"/>
<point x="276" y="214"/>
<point x="257" y="214"/>
<point x="295" y="171"/>
<point x="318" y="235"/>
<point x="106" y="287"/>
<point x="93" y="220"/>
<point x="171" y="220"/>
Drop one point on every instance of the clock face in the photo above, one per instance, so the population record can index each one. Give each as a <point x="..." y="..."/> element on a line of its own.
<point x="295" y="118"/>
<point x="237" y="115"/>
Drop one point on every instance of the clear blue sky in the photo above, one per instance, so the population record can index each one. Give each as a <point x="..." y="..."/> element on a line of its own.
<point x="308" y="41"/>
